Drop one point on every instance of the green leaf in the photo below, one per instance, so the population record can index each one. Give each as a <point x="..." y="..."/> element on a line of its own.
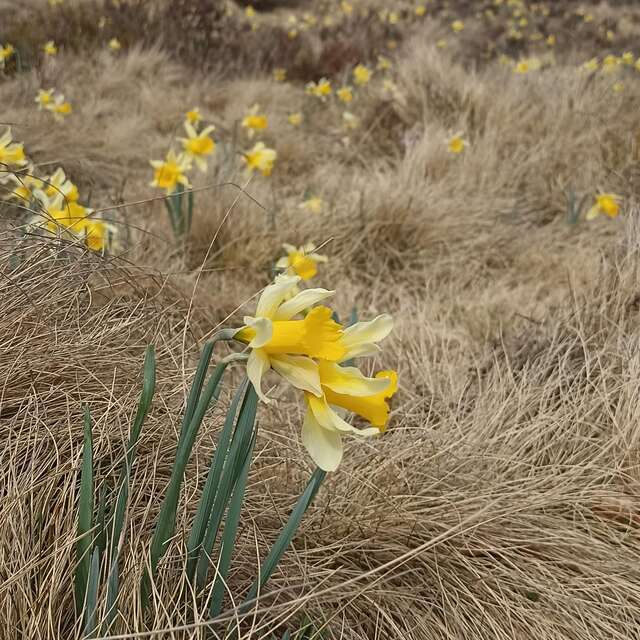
<point x="144" y="404"/>
<point x="231" y="526"/>
<point x="287" y="533"/>
<point x="165" y="527"/>
<point x="189" y="211"/>
<point x="85" y="515"/>
<point x="113" y="588"/>
<point x="101" y="520"/>
<point x="205" y="506"/>
<point x="92" y="595"/>
<point x="230" y="474"/>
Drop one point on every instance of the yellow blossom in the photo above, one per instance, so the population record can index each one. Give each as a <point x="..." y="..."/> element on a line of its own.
<point x="170" y="172"/>
<point x="11" y="153"/>
<point x="384" y="63"/>
<point x="628" y="58"/>
<point x="300" y="261"/>
<point x="250" y="12"/>
<point x="350" y="120"/>
<point x="420" y="10"/>
<point x="44" y="98"/>
<point x="6" y="52"/>
<point x="193" y="116"/>
<point x="58" y="184"/>
<point x="346" y="8"/>
<point x="197" y="146"/>
<point x="457" y="25"/>
<point x="314" y="204"/>
<point x="260" y="158"/>
<point x="610" y="63"/>
<point x="361" y="75"/>
<point x="50" y="48"/>
<point x="114" y="44"/>
<point x="345" y="94"/>
<point x="279" y="74"/>
<point x="294" y="119"/>
<point x="254" y="121"/>
<point x="321" y="89"/>
<point x="607" y="204"/>
<point x="591" y="65"/>
<point x="457" y="143"/>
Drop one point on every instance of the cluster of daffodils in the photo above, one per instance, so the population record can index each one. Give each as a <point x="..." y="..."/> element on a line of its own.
<point x="52" y="202"/>
<point x="54" y="102"/>
<point x="260" y="157"/>
<point x="298" y="338"/>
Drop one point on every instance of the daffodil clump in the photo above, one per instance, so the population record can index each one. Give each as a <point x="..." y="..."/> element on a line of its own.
<point x="55" y="103"/>
<point x="50" y="203"/>
<point x="298" y="338"/>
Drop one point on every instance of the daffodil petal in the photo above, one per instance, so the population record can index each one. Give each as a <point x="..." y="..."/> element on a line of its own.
<point x="263" y="328"/>
<point x="326" y="416"/>
<point x="324" y="446"/>
<point x="351" y="381"/>
<point x="257" y="365"/>
<point x="301" y="301"/>
<point x="274" y="294"/>
<point x="300" y="371"/>
<point x="363" y="334"/>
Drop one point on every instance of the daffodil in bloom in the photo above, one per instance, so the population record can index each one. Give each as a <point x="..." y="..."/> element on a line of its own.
<point x="618" y="87"/>
<point x="628" y="58"/>
<point x="313" y="204"/>
<point x="50" y="48"/>
<point x="350" y="120"/>
<point x="361" y="75"/>
<point x="170" y="172"/>
<point x="591" y="65"/>
<point x="193" y="116"/>
<point x="321" y="89"/>
<point x="27" y="184"/>
<point x="114" y="44"/>
<point x="457" y="143"/>
<point x="58" y="184"/>
<point x="610" y="63"/>
<point x="457" y="26"/>
<point x="607" y="204"/>
<point x="294" y="119"/>
<point x="59" y="107"/>
<point x="300" y="261"/>
<point x="279" y="74"/>
<point x="198" y="145"/>
<point x="260" y="158"/>
<point x="288" y="345"/>
<point x="11" y="153"/>
<point x="254" y="121"/>
<point x="250" y="12"/>
<point x="384" y="64"/>
<point x="526" y="65"/>
<point x="345" y="94"/>
<point x="420" y="10"/>
<point x="44" y="98"/>
<point x="6" y="51"/>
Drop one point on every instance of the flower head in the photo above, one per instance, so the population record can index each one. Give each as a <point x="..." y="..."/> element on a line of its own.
<point x="607" y="204"/>
<point x="279" y="74"/>
<point x="320" y="89"/>
<point x="197" y="146"/>
<point x="254" y="121"/>
<point x="457" y="26"/>
<point x="59" y="107"/>
<point x="294" y="119"/>
<point x="11" y="153"/>
<point x="345" y="94"/>
<point x="114" y="44"/>
<point x="6" y="51"/>
<point x="193" y="116"/>
<point x="170" y="172"/>
<point x="361" y="75"/>
<point x="260" y="158"/>
<point x="44" y="98"/>
<point x="50" y="48"/>
<point x="300" y="261"/>
<point x="313" y="204"/>
<point x="457" y="143"/>
<point x="57" y="184"/>
<point x="350" y="120"/>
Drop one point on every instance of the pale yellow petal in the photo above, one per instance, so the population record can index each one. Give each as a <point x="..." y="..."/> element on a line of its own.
<point x="301" y="301"/>
<point x="274" y="294"/>
<point x="324" y="447"/>
<point x="350" y="380"/>
<point x="300" y="371"/>
<point x="257" y="365"/>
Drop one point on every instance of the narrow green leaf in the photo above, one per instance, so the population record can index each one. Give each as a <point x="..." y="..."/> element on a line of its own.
<point x="203" y="514"/>
<point x="92" y="595"/>
<point x="85" y="515"/>
<point x="189" y="210"/>
<point x="231" y="471"/>
<point x="287" y="533"/>
<point x="101" y="520"/>
<point x="165" y="526"/>
<point x="230" y="531"/>
<point x="144" y="404"/>
<point x="113" y="588"/>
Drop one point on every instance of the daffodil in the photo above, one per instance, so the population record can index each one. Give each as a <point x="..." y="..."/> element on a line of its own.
<point x="300" y="261"/>
<point x="610" y="63"/>
<point x="114" y="44"/>
<point x="591" y="65"/>
<point x="27" y="184"/>
<point x="50" y="48"/>
<point x="11" y="153"/>
<point x="628" y="58"/>
<point x="59" y="107"/>
<point x="346" y="8"/>
<point x="384" y="64"/>
<point x="250" y="12"/>
<point x="193" y="116"/>
<point x="457" y="26"/>
<point x="294" y="119"/>
<point x="198" y="145"/>
<point x="170" y="172"/>
<point x="607" y="204"/>
<point x="44" y="98"/>
<point x="94" y="233"/>
<point x="345" y="94"/>
<point x="58" y="184"/>
<point x="350" y="120"/>
<point x="320" y="89"/>
<point x="420" y="10"/>
<point x="260" y="158"/>
<point x="254" y="121"/>
<point x="279" y="74"/>
<point x="526" y="65"/>
<point x="361" y="75"/>
<point x="457" y="143"/>
<point x="313" y="204"/>
<point x="279" y="341"/>
<point x="6" y="51"/>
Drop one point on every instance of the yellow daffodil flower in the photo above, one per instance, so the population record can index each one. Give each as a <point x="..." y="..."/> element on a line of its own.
<point x="610" y="63"/>
<point x="313" y="204"/>
<point x="529" y="64"/>
<point x="607" y="204"/>
<point x="193" y="116"/>
<point x="94" y="233"/>
<point x="591" y="65"/>
<point x="58" y="184"/>
<point x="346" y="8"/>
<point x="6" y="52"/>
<point x="50" y="48"/>
<point x="260" y="158"/>
<point x="114" y="44"/>
<point x="11" y="153"/>
<point x="279" y="341"/>
<point x="294" y="119"/>
<point x="254" y="121"/>
<point x="279" y="74"/>
<point x="300" y="261"/>
<point x="457" y="143"/>
<point x="44" y="98"/>
<point x="170" y="172"/>
<point x="197" y="146"/>
<point x="457" y="26"/>
<point x="26" y="184"/>
<point x="361" y="75"/>
<point x="345" y="94"/>
<point x="384" y="64"/>
<point x="321" y="89"/>
<point x="59" y="107"/>
<point x="420" y="10"/>
<point x="250" y="12"/>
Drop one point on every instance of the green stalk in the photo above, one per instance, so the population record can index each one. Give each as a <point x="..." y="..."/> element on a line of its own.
<point x="92" y="595"/>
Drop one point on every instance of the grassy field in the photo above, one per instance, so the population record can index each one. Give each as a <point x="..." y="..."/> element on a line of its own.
<point x="502" y="501"/>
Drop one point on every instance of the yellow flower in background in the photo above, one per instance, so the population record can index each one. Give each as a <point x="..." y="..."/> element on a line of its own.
<point x="250" y="12"/>
<point x="50" y="48"/>
<point x="607" y="204"/>
<point x="279" y="341"/>
<point x="114" y="44"/>
<point x="346" y="8"/>
<point x="313" y="204"/>
<point x="294" y="119"/>
<point x="58" y="184"/>
<point x="457" y="143"/>
<point x="44" y="98"/>
<point x="628" y="58"/>
<point x="591" y="65"/>
<point x="441" y="44"/>
<point x="345" y="94"/>
<point x="551" y="40"/>
<point x="197" y="146"/>
<point x="59" y="107"/>
<point x="254" y="121"/>
<point x="618" y="87"/>
<point x="260" y="158"/>
<point x="393" y="17"/>
<point x="11" y="153"/>
<point x="350" y="120"/>
<point x="193" y="116"/>
<point x="420" y="10"/>
<point x="26" y="184"/>
<point x="94" y="233"/>
<point x="457" y="26"/>
<point x="610" y="63"/>
<point x="292" y="34"/>
<point x="6" y="52"/>
<point x="361" y="75"/>
<point x="321" y="89"/>
<point x="384" y="64"/>
<point x="279" y="74"/>
<point x="300" y="261"/>
<point x="529" y="64"/>
<point x="170" y="172"/>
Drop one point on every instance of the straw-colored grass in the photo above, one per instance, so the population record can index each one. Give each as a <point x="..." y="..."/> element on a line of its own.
<point x="502" y="503"/>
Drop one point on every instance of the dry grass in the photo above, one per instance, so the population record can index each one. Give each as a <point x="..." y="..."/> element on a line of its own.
<point x="503" y="502"/>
